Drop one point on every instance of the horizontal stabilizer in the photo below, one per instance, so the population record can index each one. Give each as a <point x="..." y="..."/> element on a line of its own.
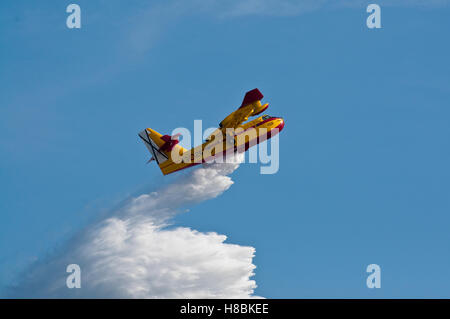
<point x="154" y="149"/>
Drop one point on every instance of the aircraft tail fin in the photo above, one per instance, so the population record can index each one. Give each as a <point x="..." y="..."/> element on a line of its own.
<point x="160" y="146"/>
<point x="251" y="97"/>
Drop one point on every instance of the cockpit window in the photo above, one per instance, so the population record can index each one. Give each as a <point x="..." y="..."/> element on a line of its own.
<point x="265" y="117"/>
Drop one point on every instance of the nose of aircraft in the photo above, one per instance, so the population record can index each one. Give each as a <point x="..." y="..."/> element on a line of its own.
<point x="281" y="125"/>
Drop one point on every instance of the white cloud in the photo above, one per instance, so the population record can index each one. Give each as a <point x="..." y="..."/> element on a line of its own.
<point x="133" y="255"/>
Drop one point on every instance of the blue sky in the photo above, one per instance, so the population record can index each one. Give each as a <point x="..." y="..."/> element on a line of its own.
<point x="364" y="174"/>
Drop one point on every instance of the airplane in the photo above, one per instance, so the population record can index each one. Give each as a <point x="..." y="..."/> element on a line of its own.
<point x="234" y="135"/>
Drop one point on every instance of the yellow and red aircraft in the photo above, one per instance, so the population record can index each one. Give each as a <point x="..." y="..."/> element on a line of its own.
<point x="233" y="135"/>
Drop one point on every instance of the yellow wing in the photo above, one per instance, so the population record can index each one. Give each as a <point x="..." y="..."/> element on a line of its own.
<point x="251" y="105"/>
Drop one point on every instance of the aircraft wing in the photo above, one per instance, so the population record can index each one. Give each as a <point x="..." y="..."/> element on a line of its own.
<point x="251" y="105"/>
<point x="238" y="117"/>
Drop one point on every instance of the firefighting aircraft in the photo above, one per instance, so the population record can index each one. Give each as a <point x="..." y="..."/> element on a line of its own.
<point x="233" y="135"/>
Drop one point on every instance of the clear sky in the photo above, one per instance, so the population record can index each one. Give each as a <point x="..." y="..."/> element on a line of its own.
<point x="364" y="156"/>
